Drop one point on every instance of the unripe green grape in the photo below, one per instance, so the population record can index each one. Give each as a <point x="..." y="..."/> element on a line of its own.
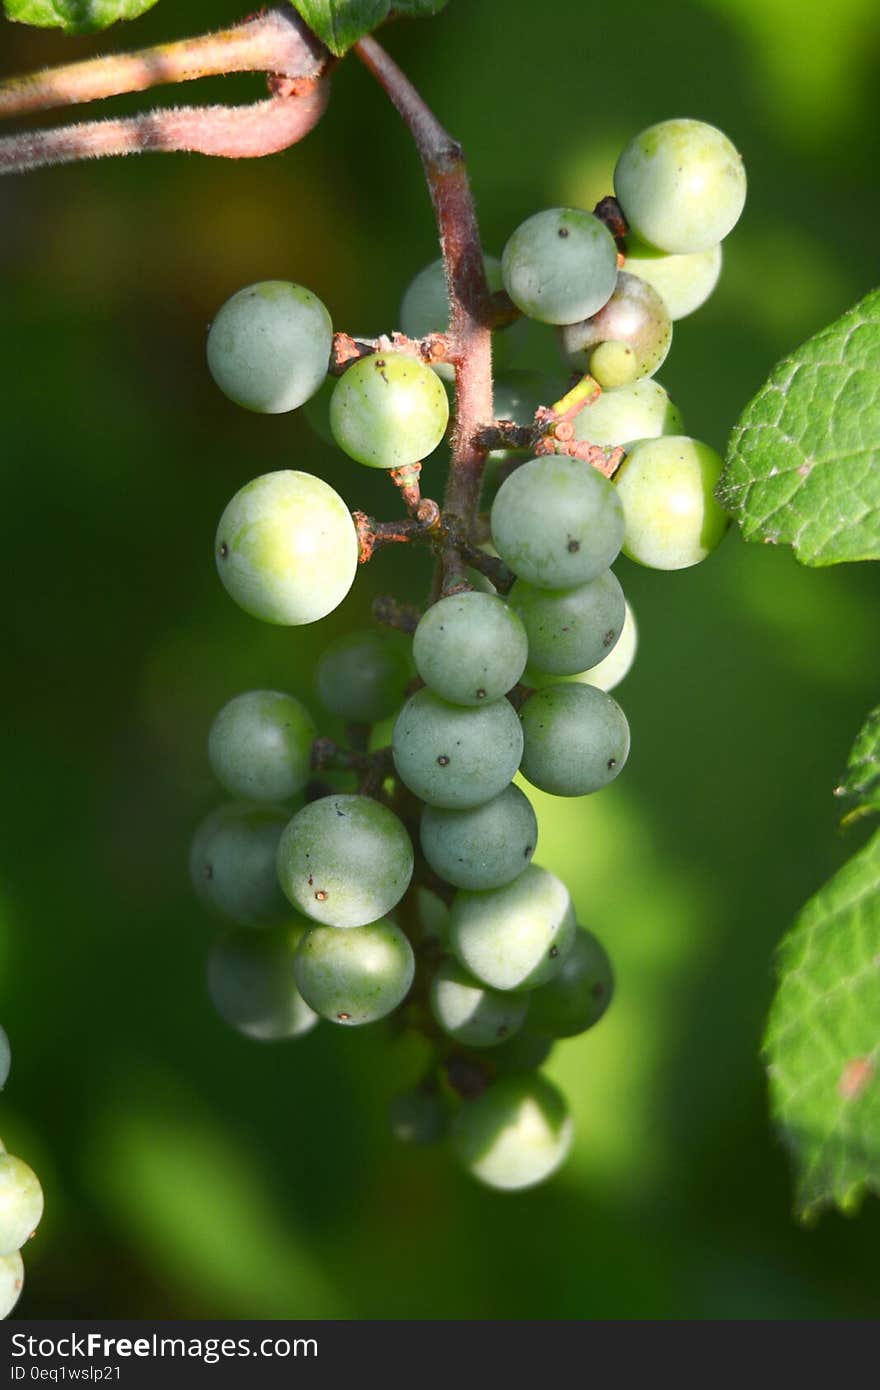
<point x="316" y="412"/>
<point x="627" y="339"/>
<point x="417" y="1117"/>
<point x="389" y="410"/>
<point x="362" y="677"/>
<point x="525" y="1051"/>
<point x="425" y="310"/>
<point x="470" y="648"/>
<point x="639" y="411"/>
<point x="260" y="745"/>
<point x="667" y="488"/>
<point x="287" y="548"/>
<point x="682" y="282"/>
<point x="557" y="522"/>
<point x="455" y="757"/>
<point x="515" y="1135"/>
<point x="484" y="847"/>
<point x="514" y="937"/>
<point x="576" y="739"/>
<point x="269" y="346"/>
<point x="5" y="1058"/>
<point x="560" y="265"/>
<point x="614" y="364"/>
<point x="345" y="861"/>
<point x="609" y="672"/>
<point x="252" y="984"/>
<point x="681" y="185"/>
<point x="21" y="1203"/>
<point x="357" y="976"/>
<point x="579" y="995"/>
<point x="433" y="917"/>
<point x="469" y="1012"/>
<point x="11" y="1282"/>
<point x="232" y="863"/>
<point x="570" y="630"/>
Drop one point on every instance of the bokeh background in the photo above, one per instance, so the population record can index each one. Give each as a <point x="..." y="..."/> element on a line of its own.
<point x="189" y="1173"/>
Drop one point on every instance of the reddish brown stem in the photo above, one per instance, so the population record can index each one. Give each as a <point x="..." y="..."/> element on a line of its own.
<point x="230" y="132"/>
<point x="609" y="211"/>
<point x="346" y="350"/>
<point x="272" y="42"/>
<point x="390" y="612"/>
<point x="449" y="186"/>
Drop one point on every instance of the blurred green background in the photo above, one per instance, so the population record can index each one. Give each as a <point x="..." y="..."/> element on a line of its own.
<point x="189" y="1173"/>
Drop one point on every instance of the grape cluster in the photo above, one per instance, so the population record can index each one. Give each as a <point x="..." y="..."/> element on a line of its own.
<point x="408" y="880"/>
<point x="21" y="1207"/>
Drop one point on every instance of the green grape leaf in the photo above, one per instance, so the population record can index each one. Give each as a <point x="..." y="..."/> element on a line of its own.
<point x="803" y="463"/>
<point x="823" y="1039"/>
<point x="75" y="16"/>
<point x="860" y="783"/>
<point x="340" y="23"/>
<point x="418" y="8"/>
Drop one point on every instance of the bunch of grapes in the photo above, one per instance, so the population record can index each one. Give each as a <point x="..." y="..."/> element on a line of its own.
<point x="21" y="1207"/>
<point x="409" y="882"/>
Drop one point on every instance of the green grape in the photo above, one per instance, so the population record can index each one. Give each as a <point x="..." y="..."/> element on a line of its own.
<point x="560" y="265"/>
<point x="232" y="863"/>
<point x="557" y="522"/>
<point x="514" y="937"/>
<point x="667" y="488"/>
<point x="469" y="1012"/>
<point x="570" y="630"/>
<point x="355" y="976"/>
<point x="614" y="363"/>
<point x="425" y="310"/>
<point x="362" y="677"/>
<point x="484" y="847"/>
<point x="576" y="739"/>
<point x="287" y="548"/>
<point x="417" y="1117"/>
<point x="260" y="745"/>
<point x="609" y="672"/>
<point x="579" y="995"/>
<point x="681" y="185"/>
<point x="345" y="861"/>
<point x="433" y="917"/>
<point x="525" y="1051"/>
<point x="682" y="282"/>
<point x="252" y="983"/>
<point x="639" y="411"/>
<point x="455" y="757"/>
<point x="21" y="1203"/>
<point x="515" y="1135"/>
<point x="269" y="346"/>
<point x="389" y="410"/>
<point x="470" y="648"/>
<point x="5" y="1058"/>
<point x="11" y="1282"/>
<point x="627" y="339"/>
<point x="316" y="412"/>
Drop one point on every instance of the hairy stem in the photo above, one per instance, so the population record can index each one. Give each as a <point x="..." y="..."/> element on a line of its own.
<point x="346" y="349"/>
<point x="229" y="132"/>
<point x="272" y="42"/>
<point x="470" y="335"/>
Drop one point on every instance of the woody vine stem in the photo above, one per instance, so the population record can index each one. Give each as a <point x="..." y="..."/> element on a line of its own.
<point x="473" y="314"/>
